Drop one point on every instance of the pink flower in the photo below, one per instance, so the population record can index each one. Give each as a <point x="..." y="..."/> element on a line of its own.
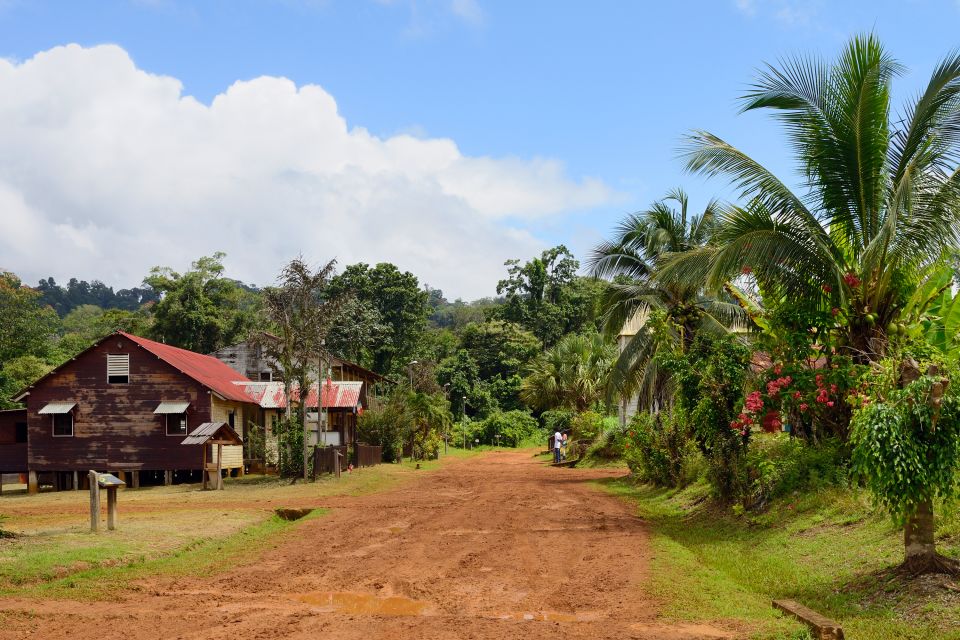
<point x="804" y="406"/>
<point x="797" y="395"/>
<point x="830" y="404"/>
<point x="777" y="370"/>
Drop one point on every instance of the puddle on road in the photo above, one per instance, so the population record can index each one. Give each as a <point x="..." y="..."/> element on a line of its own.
<point x="352" y="602"/>
<point x="540" y="616"/>
<point x="364" y="603"/>
<point x="548" y="616"/>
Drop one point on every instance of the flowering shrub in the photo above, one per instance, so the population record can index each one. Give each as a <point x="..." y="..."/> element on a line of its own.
<point x="710" y="377"/>
<point x="813" y="403"/>
<point x="660" y="449"/>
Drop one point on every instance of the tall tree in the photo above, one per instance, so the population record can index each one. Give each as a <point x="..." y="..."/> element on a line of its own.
<point x="201" y="310"/>
<point x="538" y="294"/>
<point x="301" y="309"/>
<point x="401" y="304"/>
<point x="26" y="327"/>
<point x="630" y="260"/>
<point x="880" y="201"/>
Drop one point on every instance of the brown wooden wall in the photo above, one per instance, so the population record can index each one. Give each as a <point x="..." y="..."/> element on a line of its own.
<point x="114" y="424"/>
<point x="13" y="455"/>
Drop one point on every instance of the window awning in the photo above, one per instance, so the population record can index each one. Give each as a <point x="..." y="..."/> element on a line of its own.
<point x="171" y="407"/>
<point x="58" y="407"/>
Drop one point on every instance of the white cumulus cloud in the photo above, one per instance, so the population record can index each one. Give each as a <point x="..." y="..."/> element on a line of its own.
<point x="108" y="170"/>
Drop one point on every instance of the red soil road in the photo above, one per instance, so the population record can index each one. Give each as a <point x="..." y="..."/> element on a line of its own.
<point x="498" y="546"/>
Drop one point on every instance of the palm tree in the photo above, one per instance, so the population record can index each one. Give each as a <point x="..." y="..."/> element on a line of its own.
<point x="631" y="260"/>
<point x="573" y="374"/>
<point x="880" y="199"/>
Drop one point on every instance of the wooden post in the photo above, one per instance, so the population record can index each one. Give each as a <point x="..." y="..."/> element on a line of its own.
<point x="94" y="501"/>
<point x="204" y="472"/>
<point x="135" y="477"/>
<point x="33" y="485"/>
<point x="219" y="467"/>
<point x="123" y="476"/>
<point x="336" y="463"/>
<point x="111" y="508"/>
<point x="167" y="478"/>
<point x="76" y="481"/>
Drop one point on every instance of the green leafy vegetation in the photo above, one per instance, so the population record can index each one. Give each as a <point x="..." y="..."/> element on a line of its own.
<point x="827" y="548"/>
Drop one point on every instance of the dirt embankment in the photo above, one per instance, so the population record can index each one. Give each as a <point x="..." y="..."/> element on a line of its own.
<point x="497" y="546"/>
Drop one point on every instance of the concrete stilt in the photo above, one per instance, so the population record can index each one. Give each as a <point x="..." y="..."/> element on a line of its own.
<point x="33" y="483"/>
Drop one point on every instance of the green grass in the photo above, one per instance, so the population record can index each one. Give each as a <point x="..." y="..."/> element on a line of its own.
<point x="202" y="556"/>
<point x="829" y="550"/>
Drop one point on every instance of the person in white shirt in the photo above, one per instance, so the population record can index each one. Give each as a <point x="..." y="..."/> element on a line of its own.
<point x="557" y="442"/>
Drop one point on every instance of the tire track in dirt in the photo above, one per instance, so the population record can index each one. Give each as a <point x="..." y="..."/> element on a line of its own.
<point x="498" y="546"/>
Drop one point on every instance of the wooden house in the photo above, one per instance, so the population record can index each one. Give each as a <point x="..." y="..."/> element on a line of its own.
<point x="124" y="405"/>
<point x="248" y="359"/>
<point x="341" y="402"/>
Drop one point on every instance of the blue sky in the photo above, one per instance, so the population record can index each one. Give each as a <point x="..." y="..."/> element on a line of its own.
<point x="605" y="88"/>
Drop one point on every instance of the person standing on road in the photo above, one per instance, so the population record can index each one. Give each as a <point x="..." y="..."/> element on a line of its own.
<point x="563" y="448"/>
<point x="557" y="443"/>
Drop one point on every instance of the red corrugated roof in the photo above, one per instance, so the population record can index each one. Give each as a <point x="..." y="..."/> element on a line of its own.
<point x="340" y="394"/>
<point x="206" y="370"/>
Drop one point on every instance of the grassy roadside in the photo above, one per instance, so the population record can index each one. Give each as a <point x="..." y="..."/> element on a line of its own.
<point x="829" y="550"/>
<point x="163" y="530"/>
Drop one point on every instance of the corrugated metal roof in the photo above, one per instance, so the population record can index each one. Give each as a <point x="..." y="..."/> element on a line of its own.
<point x="171" y="407"/>
<point x="207" y="370"/>
<point x="339" y="394"/>
<point x="208" y="430"/>
<point x="58" y="407"/>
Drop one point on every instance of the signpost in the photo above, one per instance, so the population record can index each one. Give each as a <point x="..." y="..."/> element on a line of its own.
<point x="111" y="483"/>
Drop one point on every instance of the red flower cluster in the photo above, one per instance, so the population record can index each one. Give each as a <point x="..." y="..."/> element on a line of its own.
<point x="851" y="279"/>
<point x="753" y="403"/>
<point x="746" y="270"/>
<point x="774" y="386"/>
<point x="826" y="288"/>
<point x="823" y="395"/>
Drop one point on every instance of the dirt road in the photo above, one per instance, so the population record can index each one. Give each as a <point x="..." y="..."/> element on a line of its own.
<point x="498" y="546"/>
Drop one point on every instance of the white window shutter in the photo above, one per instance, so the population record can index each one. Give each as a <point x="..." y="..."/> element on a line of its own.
<point x="118" y="365"/>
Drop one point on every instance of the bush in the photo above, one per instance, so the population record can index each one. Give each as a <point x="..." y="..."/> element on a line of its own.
<point x="710" y="377"/>
<point x="661" y="449"/>
<point x="465" y="432"/>
<point x="609" y="444"/>
<point x="586" y="426"/>
<point x="385" y="424"/>
<point x="514" y="427"/>
<point x="778" y="465"/>
<point x="426" y="445"/>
